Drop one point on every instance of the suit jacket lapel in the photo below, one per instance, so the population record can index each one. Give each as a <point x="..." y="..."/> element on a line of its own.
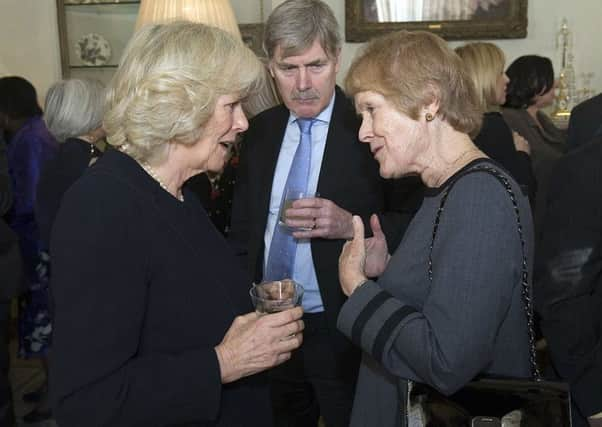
<point x="339" y="136"/>
<point x="266" y="162"/>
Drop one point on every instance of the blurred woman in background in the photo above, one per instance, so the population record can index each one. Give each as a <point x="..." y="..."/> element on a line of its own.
<point x="74" y="110"/>
<point x="30" y="146"/>
<point x="485" y="64"/>
<point x="73" y="115"/>
<point x="531" y="89"/>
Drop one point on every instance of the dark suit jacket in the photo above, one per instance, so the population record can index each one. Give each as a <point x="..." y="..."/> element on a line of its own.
<point x="349" y="176"/>
<point x="6" y="197"/>
<point x="568" y="275"/>
<point x="144" y="289"/>
<point x="585" y="122"/>
<point x="11" y="269"/>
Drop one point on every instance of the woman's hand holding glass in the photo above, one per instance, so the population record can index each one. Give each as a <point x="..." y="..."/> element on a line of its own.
<point x="362" y="258"/>
<point x="256" y="343"/>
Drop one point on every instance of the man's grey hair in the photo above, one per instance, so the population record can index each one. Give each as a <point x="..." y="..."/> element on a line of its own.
<point x="295" y="24"/>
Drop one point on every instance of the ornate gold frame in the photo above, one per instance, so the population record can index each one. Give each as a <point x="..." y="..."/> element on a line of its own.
<point x="358" y="29"/>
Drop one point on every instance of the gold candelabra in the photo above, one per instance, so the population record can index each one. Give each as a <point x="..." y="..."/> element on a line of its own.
<point x="566" y="92"/>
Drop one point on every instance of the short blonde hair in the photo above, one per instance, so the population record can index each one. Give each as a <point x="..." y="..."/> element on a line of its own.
<point x="168" y="83"/>
<point x="74" y="107"/>
<point x="484" y="63"/>
<point x="412" y="70"/>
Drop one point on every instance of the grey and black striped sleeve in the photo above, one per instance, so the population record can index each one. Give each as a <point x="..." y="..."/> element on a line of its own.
<point x="370" y="317"/>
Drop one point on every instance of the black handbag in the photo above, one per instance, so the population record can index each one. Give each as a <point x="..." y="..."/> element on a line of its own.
<point x="492" y="402"/>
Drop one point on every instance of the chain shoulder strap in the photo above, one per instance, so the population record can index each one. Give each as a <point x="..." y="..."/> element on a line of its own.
<point x="526" y="294"/>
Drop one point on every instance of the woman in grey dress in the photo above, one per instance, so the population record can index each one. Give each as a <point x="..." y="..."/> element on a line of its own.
<point x="465" y="316"/>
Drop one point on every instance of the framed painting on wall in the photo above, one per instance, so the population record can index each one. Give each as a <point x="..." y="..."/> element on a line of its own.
<point x="451" y="19"/>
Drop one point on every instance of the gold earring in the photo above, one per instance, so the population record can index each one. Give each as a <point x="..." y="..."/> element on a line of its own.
<point x="429" y="117"/>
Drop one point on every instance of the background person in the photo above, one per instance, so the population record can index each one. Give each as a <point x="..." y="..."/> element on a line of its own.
<point x="149" y="304"/>
<point x="12" y="277"/>
<point x="73" y="114"/>
<point x="485" y="64"/>
<point x="30" y="146"/>
<point x="468" y="318"/>
<point x="303" y="45"/>
<point x="568" y="290"/>
<point x="531" y="89"/>
<point x="585" y="122"/>
<point x="74" y="110"/>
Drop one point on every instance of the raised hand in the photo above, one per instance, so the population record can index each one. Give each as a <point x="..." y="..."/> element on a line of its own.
<point x="353" y="259"/>
<point x="377" y="251"/>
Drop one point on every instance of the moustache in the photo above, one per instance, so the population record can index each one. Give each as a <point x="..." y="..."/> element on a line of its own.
<point x="305" y="96"/>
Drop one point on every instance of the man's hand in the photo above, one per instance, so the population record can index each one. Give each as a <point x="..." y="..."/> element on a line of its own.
<point x="321" y="218"/>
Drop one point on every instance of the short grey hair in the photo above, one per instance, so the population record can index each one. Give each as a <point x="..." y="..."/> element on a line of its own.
<point x="168" y="83"/>
<point x="295" y="24"/>
<point x="74" y="107"/>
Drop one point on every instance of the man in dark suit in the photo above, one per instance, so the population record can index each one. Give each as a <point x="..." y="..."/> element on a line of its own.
<point x="303" y="46"/>
<point x="568" y="278"/>
<point x="10" y="272"/>
<point x="585" y="122"/>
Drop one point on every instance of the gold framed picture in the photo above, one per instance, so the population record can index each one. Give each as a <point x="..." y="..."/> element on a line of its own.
<point x="451" y="19"/>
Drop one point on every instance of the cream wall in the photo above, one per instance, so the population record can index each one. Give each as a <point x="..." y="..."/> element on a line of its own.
<point x="29" y="35"/>
<point x="29" y="41"/>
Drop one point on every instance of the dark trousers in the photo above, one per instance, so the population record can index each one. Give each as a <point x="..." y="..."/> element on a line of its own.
<point x="7" y="417"/>
<point x="312" y="382"/>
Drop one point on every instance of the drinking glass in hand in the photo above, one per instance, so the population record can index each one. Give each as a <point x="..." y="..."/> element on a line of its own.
<point x="279" y="295"/>
<point x="290" y="195"/>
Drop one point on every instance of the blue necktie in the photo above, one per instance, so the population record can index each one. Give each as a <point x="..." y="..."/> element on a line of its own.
<point x="281" y="258"/>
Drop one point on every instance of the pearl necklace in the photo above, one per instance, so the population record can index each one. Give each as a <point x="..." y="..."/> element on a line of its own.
<point x="149" y="170"/>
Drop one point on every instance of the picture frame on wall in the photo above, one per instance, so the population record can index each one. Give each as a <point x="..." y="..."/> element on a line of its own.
<point x="85" y="2"/>
<point x="450" y="19"/>
<point x="252" y="36"/>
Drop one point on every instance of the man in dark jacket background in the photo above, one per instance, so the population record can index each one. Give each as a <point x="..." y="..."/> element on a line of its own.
<point x="10" y="272"/>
